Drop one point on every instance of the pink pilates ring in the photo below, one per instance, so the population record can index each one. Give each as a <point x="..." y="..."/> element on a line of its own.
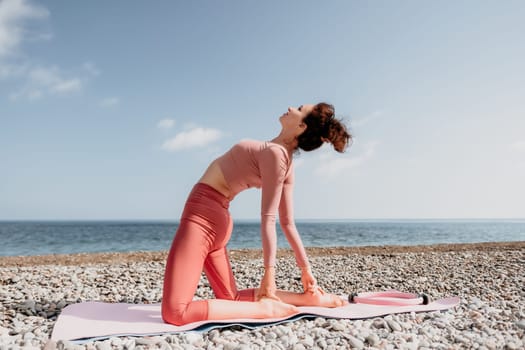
<point x="389" y="298"/>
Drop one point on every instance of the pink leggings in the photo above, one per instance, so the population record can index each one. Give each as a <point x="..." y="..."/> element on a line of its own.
<point x="200" y="244"/>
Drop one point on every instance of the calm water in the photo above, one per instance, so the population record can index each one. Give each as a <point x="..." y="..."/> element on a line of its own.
<point x="59" y="237"/>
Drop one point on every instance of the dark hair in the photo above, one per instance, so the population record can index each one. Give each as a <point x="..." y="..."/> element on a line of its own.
<point x="321" y="126"/>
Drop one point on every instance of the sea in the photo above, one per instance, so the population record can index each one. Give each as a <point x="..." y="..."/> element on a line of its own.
<point x="66" y="237"/>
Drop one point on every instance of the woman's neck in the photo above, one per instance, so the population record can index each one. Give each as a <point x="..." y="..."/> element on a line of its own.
<point x="287" y="141"/>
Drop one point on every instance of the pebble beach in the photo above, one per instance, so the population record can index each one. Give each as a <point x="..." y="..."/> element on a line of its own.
<point x="488" y="277"/>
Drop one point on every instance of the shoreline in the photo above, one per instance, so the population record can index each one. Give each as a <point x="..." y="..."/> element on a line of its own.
<point x="251" y="253"/>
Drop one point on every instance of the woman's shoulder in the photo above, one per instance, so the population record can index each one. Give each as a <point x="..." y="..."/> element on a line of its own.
<point x="264" y="147"/>
<point x="254" y="145"/>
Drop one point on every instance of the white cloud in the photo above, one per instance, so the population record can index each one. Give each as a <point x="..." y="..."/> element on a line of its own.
<point x="30" y="81"/>
<point x="110" y="101"/>
<point x="13" y="15"/>
<point x="518" y="146"/>
<point x="53" y="79"/>
<point x="65" y="86"/>
<point x="43" y="81"/>
<point x="166" y="124"/>
<point x="194" y="138"/>
<point x="332" y="164"/>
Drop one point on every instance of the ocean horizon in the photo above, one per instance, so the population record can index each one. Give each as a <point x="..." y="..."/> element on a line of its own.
<point x="42" y="237"/>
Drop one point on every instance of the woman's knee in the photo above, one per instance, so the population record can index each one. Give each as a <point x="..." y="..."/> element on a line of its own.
<point x="172" y="315"/>
<point x="180" y="314"/>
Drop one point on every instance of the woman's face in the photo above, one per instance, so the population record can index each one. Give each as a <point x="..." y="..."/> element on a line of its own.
<point x="294" y="117"/>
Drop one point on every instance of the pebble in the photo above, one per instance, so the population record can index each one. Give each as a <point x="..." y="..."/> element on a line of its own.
<point x="145" y="341"/>
<point x="308" y="341"/>
<point x="490" y="316"/>
<point x="372" y="339"/>
<point x="103" y="345"/>
<point x="270" y="336"/>
<point x="379" y="323"/>
<point x="128" y="344"/>
<point x="243" y="347"/>
<point x="338" y="326"/>
<point x="321" y="343"/>
<point x="355" y="343"/>
<point x="394" y="325"/>
<point x="230" y="346"/>
<point x="192" y="338"/>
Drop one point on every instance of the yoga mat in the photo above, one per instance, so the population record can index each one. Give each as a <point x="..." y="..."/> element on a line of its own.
<point x="89" y="321"/>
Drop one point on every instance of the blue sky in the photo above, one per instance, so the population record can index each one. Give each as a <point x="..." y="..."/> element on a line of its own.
<point x="113" y="109"/>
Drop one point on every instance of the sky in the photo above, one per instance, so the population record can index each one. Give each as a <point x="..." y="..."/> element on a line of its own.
<point x="112" y="110"/>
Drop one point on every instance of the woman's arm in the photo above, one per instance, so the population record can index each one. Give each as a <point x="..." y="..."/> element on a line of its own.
<point x="287" y="222"/>
<point x="273" y="165"/>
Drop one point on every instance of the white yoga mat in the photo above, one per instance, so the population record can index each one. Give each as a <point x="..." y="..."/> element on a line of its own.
<point x="92" y="320"/>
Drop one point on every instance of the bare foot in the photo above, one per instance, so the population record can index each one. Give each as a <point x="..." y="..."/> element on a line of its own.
<point x="320" y="298"/>
<point x="277" y="309"/>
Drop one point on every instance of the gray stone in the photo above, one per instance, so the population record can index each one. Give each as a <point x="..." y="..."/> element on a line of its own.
<point x="270" y="336"/>
<point x="50" y="345"/>
<point x="194" y="338"/>
<point x="308" y="342"/>
<point x="282" y="330"/>
<point x="115" y="341"/>
<point x="28" y="336"/>
<point x="372" y="339"/>
<point x="61" y="344"/>
<point x="105" y="345"/>
<point x="230" y="346"/>
<point x="410" y="346"/>
<point x="354" y="342"/>
<point x="322" y="344"/>
<point x="378" y="323"/>
<point x="393" y="325"/>
<point x="163" y="345"/>
<point x="461" y="339"/>
<point x="243" y="347"/>
<point x="128" y="344"/>
<point x="213" y="335"/>
<point x="490" y="344"/>
<point x="145" y="341"/>
<point x="15" y="331"/>
<point x="29" y="305"/>
<point x="338" y="326"/>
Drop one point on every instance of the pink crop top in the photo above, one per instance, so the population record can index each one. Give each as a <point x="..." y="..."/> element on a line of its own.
<point x="266" y="165"/>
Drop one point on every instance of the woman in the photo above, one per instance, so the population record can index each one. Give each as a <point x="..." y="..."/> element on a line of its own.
<point x="205" y="226"/>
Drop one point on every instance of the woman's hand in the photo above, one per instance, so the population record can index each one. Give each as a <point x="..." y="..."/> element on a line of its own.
<point x="268" y="287"/>
<point x="309" y="281"/>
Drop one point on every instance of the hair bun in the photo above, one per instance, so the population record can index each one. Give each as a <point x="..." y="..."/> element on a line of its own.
<point x="337" y="134"/>
<point x="323" y="126"/>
